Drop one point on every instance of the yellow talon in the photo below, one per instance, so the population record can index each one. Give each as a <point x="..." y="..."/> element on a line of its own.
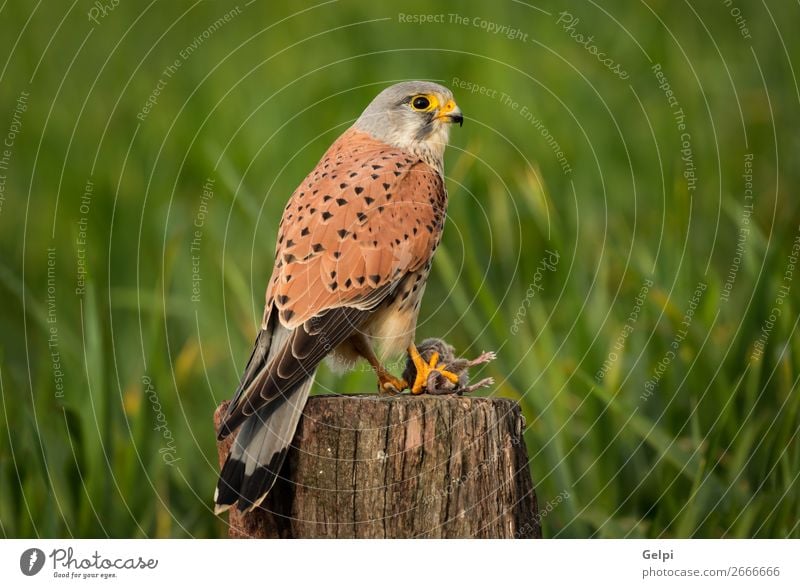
<point x="449" y="375"/>
<point x="425" y="368"/>
<point x="388" y="385"/>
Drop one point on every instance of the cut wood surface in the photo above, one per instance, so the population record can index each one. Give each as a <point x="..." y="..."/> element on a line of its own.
<point x="399" y="467"/>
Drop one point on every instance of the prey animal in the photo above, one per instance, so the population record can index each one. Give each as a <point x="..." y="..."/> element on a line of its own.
<point x="447" y="374"/>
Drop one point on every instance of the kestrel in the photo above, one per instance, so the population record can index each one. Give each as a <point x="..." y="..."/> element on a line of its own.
<point x="354" y="251"/>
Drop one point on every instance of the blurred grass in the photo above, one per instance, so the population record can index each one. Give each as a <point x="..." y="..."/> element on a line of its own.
<point x="713" y="452"/>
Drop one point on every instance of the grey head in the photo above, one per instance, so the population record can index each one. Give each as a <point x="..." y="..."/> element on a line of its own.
<point x="413" y="116"/>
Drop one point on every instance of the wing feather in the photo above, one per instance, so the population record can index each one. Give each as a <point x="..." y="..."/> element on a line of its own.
<point x="363" y="219"/>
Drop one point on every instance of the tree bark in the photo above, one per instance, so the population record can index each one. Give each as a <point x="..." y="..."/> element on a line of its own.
<point x="399" y="467"/>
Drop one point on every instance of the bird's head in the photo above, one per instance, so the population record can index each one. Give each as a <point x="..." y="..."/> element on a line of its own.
<point x="414" y="116"/>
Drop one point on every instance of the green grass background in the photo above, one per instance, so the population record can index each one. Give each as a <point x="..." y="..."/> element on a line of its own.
<point x="714" y="451"/>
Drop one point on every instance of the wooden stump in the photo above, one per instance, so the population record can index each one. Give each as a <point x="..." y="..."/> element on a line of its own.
<point x="398" y="467"/>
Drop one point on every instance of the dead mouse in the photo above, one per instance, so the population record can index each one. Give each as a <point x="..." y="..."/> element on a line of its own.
<point x="437" y="370"/>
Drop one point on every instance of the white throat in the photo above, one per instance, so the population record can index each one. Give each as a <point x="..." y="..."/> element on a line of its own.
<point x="430" y="149"/>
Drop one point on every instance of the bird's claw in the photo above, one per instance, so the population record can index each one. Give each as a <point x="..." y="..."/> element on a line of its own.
<point x="391" y="386"/>
<point x="424" y="370"/>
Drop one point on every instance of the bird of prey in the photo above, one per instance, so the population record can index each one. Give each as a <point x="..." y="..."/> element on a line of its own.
<point x="354" y="250"/>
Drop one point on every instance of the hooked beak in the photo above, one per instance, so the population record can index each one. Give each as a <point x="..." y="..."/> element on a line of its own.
<point x="450" y="113"/>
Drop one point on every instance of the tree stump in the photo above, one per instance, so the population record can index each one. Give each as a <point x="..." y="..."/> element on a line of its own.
<point x="399" y="467"/>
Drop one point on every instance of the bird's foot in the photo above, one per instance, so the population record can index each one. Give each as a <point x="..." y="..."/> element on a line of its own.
<point x="388" y="385"/>
<point x="424" y="369"/>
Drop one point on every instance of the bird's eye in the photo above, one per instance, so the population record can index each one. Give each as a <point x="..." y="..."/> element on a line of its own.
<point x="420" y="103"/>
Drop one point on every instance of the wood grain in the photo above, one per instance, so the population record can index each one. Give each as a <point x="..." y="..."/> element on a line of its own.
<point x="400" y="467"/>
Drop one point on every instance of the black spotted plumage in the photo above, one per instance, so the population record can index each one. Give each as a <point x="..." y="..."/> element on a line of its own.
<point x="348" y="257"/>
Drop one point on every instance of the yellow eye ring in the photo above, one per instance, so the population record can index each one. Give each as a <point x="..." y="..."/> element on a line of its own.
<point x="423" y="102"/>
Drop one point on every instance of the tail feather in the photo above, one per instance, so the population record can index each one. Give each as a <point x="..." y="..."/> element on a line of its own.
<point x="259" y="451"/>
<point x="269" y="401"/>
<point x="230" y="480"/>
<point x="263" y="439"/>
